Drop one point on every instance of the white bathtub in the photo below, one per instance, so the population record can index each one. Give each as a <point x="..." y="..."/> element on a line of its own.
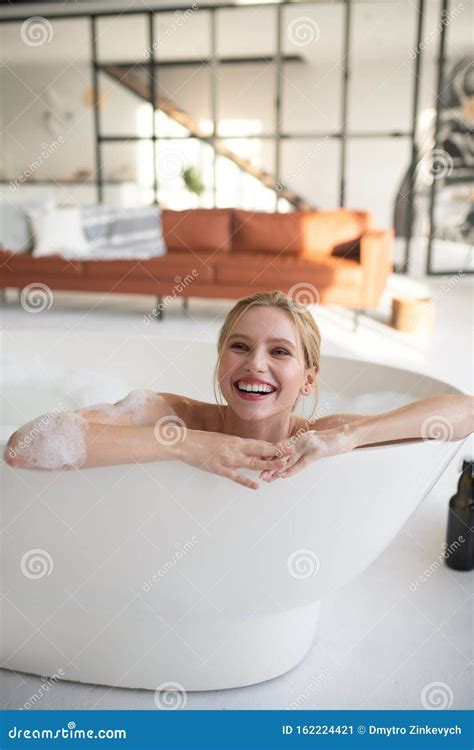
<point x="142" y="575"/>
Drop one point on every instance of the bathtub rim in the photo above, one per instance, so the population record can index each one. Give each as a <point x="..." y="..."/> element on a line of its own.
<point x="460" y="390"/>
<point x="21" y="332"/>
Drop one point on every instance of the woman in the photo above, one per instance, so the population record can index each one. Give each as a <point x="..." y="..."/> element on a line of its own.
<point x="268" y="356"/>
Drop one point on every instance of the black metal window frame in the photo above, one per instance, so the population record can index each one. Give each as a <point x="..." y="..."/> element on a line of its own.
<point x="342" y="134"/>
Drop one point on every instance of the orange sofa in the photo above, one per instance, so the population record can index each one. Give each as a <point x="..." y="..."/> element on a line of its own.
<point x="327" y="256"/>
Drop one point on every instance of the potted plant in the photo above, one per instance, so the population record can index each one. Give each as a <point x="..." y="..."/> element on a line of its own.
<point x="192" y="180"/>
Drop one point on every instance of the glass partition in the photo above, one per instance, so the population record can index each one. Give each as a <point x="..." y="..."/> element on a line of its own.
<point x="221" y="106"/>
<point x="313" y="35"/>
<point x="449" y="168"/>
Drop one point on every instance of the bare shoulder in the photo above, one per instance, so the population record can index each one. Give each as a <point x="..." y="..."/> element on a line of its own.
<point x="323" y="423"/>
<point x="145" y="407"/>
<point x="197" y="415"/>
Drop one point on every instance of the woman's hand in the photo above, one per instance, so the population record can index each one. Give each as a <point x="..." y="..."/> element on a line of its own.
<point x="224" y="454"/>
<point x="309" y="447"/>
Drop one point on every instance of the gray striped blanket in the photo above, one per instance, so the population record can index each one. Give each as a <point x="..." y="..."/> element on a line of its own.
<point x="115" y="232"/>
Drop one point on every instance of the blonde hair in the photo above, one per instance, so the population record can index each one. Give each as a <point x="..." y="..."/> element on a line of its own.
<point x="306" y="327"/>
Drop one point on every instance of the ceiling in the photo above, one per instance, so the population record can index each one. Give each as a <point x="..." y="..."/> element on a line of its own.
<point x="314" y="31"/>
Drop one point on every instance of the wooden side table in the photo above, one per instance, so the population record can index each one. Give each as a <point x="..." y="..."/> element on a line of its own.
<point x="413" y="314"/>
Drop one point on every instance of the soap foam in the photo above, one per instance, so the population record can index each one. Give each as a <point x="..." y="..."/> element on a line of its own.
<point x="137" y="403"/>
<point x="53" y="442"/>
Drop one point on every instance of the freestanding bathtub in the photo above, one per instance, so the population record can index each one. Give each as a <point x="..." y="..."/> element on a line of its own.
<point x="151" y="574"/>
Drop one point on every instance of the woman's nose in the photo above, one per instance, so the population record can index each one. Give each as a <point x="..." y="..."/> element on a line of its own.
<point x="256" y="360"/>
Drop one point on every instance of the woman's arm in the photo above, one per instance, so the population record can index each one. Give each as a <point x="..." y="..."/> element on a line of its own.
<point x="75" y="443"/>
<point x="125" y="432"/>
<point x="446" y="418"/>
<point x="332" y="420"/>
<point x="72" y="440"/>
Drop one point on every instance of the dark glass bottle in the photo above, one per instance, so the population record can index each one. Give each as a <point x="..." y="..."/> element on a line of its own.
<point x="460" y="533"/>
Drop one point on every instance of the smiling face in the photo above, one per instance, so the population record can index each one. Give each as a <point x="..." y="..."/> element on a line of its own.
<point x="262" y="370"/>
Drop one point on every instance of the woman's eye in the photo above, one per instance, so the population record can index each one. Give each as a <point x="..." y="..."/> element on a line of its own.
<point x="278" y="350"/>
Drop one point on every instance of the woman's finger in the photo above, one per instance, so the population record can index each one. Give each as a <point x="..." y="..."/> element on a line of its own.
<point x="259" y="464"/>
<point x="296" y="467"/>
<point x="287" y="450"/>
<point x="270" y="476"/>
<point x="285" y="462"/>
<point x="259" y="448"/>
<point x="275" y="475"/>
<point x="244" y="481"/>
<point x="266" y="450"/>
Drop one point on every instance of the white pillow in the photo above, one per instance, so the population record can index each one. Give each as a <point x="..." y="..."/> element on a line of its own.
<point x="58" y="231"/>
<point x="15" y="227"/>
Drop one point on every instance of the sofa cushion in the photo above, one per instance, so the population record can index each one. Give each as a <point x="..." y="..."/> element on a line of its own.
<point x="201" y="230"/>
<point x="304" y="233"/>
<point x="19" y="263"/>
<point x="115" y="232"/>
<point x="262" y="232"/>
<point x="334" y="232"/>
<point x="16" y="232"/>
<point x="58" y="231"/>
<point x="173" y="265"/>
<point x="278" y="271"/>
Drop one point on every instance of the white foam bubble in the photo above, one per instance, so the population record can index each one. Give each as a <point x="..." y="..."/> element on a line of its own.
<point x="52" y="442"/>
<point x="137" y="403"/>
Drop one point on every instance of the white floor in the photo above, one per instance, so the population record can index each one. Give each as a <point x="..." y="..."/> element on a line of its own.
<point x="379" y="643"/>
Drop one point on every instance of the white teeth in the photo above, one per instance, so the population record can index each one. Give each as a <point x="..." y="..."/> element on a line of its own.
<point x="242" y="386"/>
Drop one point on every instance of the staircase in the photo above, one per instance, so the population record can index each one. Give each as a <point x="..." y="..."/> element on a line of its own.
<point x="132" y="81"/>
